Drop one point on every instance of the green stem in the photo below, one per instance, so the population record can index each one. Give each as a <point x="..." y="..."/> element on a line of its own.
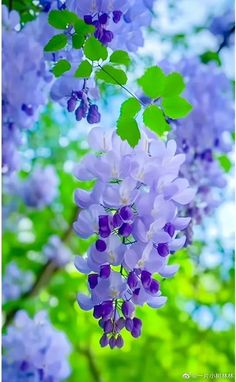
<point x="123" y="87"/>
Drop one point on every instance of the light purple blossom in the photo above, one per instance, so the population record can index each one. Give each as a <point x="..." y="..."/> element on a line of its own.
<point x="205" y="132"/>
<point x="15" y="282"/>
<point x="34" y="351"/>
<point x="118" y="23"/>
<point x="23" y="69"/>
<point x="40" y="188"/>
<point x="133" y="213"/>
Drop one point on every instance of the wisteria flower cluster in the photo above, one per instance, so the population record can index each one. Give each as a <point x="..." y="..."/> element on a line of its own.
<point x="24" y="69"/>
<point x="205" y="132"/>
<point x="40" y="188"/>
<point x="133" y="213"/>
<point x="15" y="282"/>
<point x="33" y="350"/>
<point x="118" y="23"/>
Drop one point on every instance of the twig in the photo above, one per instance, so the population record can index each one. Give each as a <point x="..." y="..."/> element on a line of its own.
<point x="123" y="87"/>
<point x="92" y="364"/>
<point x="226" y="38"/>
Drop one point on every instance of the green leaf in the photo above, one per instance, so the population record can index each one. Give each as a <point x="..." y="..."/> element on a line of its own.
<point x="153" y="118"/>
<point x="61" y="19"/>
<point x="61" y="67"/>
<point x="153" y="82"/>
<point x="176" y="107"/>
<point x="111" y="75"/>
<point x="130" y="108"/>
<point x="127" y="129"/>
<point x="77" y="41"/>
<point x="57" y="42"/>
<point x="174" y="85"/>
<point x="225" y="162"/>
<point x="94" y="50"/>
<point x="120" y="57"/>
<point x="210" y="56"/>
<point x="82" y="28"/>
<point x="84" y="70"/>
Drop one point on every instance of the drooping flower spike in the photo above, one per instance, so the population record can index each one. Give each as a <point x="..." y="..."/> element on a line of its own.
<point x="132" y="211"/>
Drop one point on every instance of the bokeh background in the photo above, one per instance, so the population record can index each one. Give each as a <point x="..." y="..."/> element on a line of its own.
<point x="193" y="333"/>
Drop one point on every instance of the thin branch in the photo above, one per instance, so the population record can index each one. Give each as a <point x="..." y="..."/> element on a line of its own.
<point x="95" y="372"/>
<point x="123" y="87"/>
<point x="226" y="38"/>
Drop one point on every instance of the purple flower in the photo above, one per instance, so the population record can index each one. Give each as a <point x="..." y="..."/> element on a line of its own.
<point x="33" y="348"/>
<point x="15" y="282"/>
<point x="206" y="130"/>
<point x="40" y="188"/>
<point x="133" y="211"/>
<point x="118" y="24"/>
<point x="23" y="69"/>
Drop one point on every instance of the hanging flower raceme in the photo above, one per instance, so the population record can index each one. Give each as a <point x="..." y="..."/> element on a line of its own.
<point x="205" y="133"/>
<point x="33" y="350"/>
<point x="23" y="69"/>
<point x="118" y="23"/>
<point x="40" y="188"/>
<point x="132" y="211"/>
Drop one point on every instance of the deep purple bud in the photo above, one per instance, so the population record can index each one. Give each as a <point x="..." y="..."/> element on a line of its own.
<point x="93" y="280"/>
<point x="104" y="226"/>
<point x="132" y="280"/>
<point x="79" y="113"/>
<point x="99" y="31"/>
<point x="163" y="249"/>
<point x="119" y="341"/>
<point x="129" y="324"/>
<point x="93" y="115"/>
<point x="108" y="326"/>
<point x="137" y="323"/>
<point x="88" y="19"/>
<point x="127" y="309"/>
<point x="97" y="311"/>
<point x="103" y="18"/>
<point x="116" y="16"/>
<point x="112" y="342"/>
<point x="71" y="104"/>
<point x="207" y="155"/>
<point x="100" y="245"/>
<point x="79" y="94"/>
<point x="126" y="213"/>
<point x="154" y="286"/>
<point x="28" y="109"/>
<point x="120" y="324"/>
<point x="116" y="220"/>
<point x="125" y="230"/>
<point x="104" y="340"/>
<point x="146" y="279"/>
<point x="24" y="365"/>
<point x="136" y="333"/>
<point x="107" y="308"/>
<point x="136" y="291"/>
<point x="107" y="37"/>
<point x="170" y="229"/>
<point x="105" y="271"/>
